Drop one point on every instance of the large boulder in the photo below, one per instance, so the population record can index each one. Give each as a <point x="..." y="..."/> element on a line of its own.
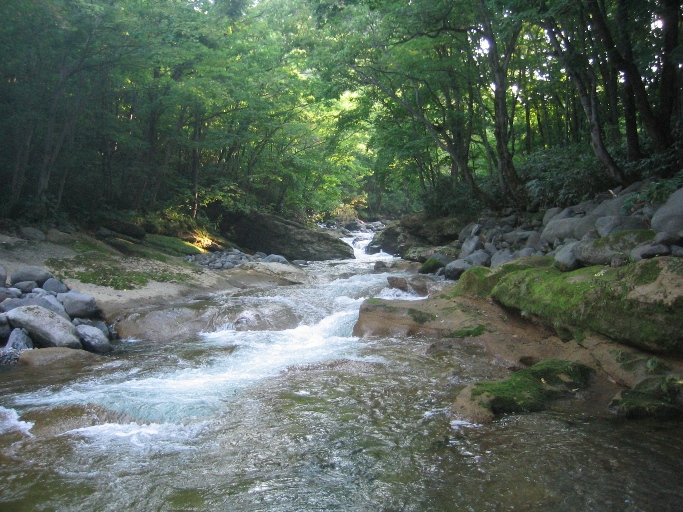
<point x="56" y="355"/>
<point x="93" y="340"/>
<point x="37" y="274"/>
<point x="46" y="301"/>
<point x="639" y="305"/>
<point x="271" y="234"/>
<point x="670" y="216"/>
<point x="603" y="250"/>
<point x="79" y="304"/>
<point x="46" y="328"/>
<point x="19" y="340"/>
<point x="386" y="240"/>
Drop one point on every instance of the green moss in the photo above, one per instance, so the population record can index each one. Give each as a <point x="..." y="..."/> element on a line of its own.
<point x="468" y="333"/>
<point x="654" y="397"/>
<point x="136" y="249"/>
<point x="104" y="270"/>
<point x="171" y="245"/>
<point x="421" y="317"/>
<point x="596" y="298"/>
<point x="430" y="266"/>
<point x="375" y="302"/>
<point x="478" y="282"/>
<point x="530" y="389"/>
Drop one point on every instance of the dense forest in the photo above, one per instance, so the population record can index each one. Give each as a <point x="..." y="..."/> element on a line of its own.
<point x="316" y="108"/>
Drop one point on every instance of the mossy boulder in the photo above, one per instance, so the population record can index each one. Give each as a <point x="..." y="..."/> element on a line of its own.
<point x="640" y="304"/>
<point x="603" y="250"/>
<point x="659" y="397"/>
<point x="527" y="390"/>
<point x="431" y="266"/>
<point x="478" y="282"/>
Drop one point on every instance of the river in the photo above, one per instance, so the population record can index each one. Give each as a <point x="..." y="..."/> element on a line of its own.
<point x="310" y="418"/>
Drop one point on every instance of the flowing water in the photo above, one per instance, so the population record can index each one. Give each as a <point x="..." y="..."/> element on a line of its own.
<point x="310" y="418"/>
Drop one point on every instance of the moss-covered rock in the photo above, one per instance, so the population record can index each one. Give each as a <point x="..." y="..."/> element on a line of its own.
<point x="478" y="282"/>
<point x="659" y="397"/>
<point x="603" y="250"/>
<point x="527" y="390"/>
<point x="431" y="266"/>
<point x="640" y="305"/>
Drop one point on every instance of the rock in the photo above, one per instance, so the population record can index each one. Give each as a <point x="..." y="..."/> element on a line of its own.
<point x="55" y="286"/>
<point x="523" y="253"/>
<point x="37" y="274"/>
<point x="550" y="214"/>
<point x="455" y="269"/>
<point x="26" y="286"/>
<point x="99" y="324"/>
<point x="658" y="397"/>
<point x="472" y="229"/>
<point x="3" y="277"/>
<point x="275" y="258"/>
<point x="639" y="305"/>
<point x="526" y="390"/>
<point x="611" y="207"/>
<point x="676" y="251"/>
<point x="670" y="216"/>
<point x="46" y="301"/>
<point x="560" y="229"/>
<point x="284" y="274"/>
<point x="432" y="265"/>
<point x="479" y="259"/>
<point x="386" y="240"/>
<point x="93" y="339"/>
<point x="617" y="223"/>
<point x="125" y="228"/>
<point x="419" y="285"/>
<point x="59" y="355"/>
<point x="603" y="250"/>
<point x="649" y="251"/>
<point x="79" y="304"/>
<point x="19" y="340"/>
<point x="354" y="225"/>
<point x="260" y="231"/>
<point x="5" y="327"/>
<point x="470" y="245"/>
<point x="666" y="238"/>
<point x="565" y="260"/>
<point x="33" y="234"/>
<point x="502" y="256"/>
<point x="46" y="328"/>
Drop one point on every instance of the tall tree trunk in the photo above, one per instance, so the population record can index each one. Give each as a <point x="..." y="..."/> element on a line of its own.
<point x="633" y="151"/>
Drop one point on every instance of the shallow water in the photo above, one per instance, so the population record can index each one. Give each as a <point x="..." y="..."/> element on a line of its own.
<point x="310" y="418"/>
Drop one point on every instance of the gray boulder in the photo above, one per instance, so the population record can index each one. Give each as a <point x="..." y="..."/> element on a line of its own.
<point x="611" y="207"/>
<point x="32" y="234"/>
<point x="677" y="251"/>
<point x="37" y="274"/>
<point x="5" y="328"/>
<point x="46" y="301"/>
<point x="55" y="286"/>
<point x="603" y="250"/>
<point x="99" y="324"/>
<point x="565" y="260"/>
<point x="617" y="223"/>
<point x="669" y="239"/>
<point x="93" y="340"/>
<point x="469" y="246"/>
<point x="479" y="258"/>
<point x="263" y="232"/>
<point x="26" y="286"/>
<point x="5" y="294"/>
<point x="275" y="258"/>
<point x="3" y="277"/>
<point x="19" y="340"/>
<point x="78" y="304"/>
<point x="560" y="229"/>
<point x="550" y="214"/>
<point x="649" y="251"/>
<point x="502" y="256"/>
<point x="670" y="216"/>
<point x="455" y="269"/>
<point x="46" y="328"/>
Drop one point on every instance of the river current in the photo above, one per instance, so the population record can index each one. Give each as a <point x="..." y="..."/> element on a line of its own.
<point x="310" y="418"/>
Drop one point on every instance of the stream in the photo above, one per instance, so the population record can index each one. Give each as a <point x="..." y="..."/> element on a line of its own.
<point x="310" y="418"/>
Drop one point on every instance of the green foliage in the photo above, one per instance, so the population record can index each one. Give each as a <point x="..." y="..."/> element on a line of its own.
<point x="654" y="192"/>
<point x="562" y="176"/>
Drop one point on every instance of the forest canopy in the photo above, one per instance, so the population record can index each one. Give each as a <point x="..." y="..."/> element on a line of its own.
<point x="317" y="108"/>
